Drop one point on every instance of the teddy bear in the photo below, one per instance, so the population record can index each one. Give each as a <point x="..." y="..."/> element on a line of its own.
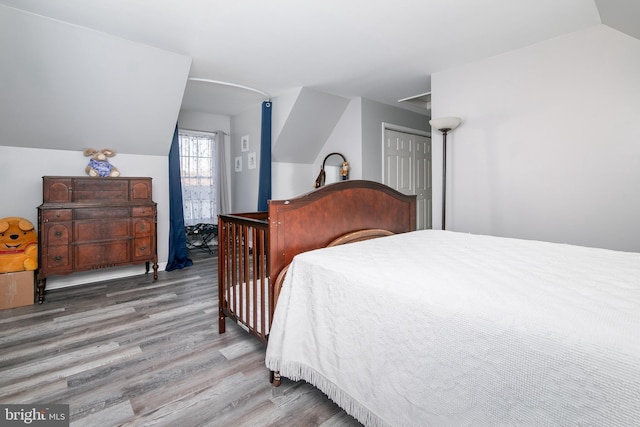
<point x="99" y="164"/>
<point x="18" y="245"/>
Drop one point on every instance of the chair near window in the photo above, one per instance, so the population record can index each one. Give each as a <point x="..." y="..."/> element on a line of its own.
<point x="199" y="236"/>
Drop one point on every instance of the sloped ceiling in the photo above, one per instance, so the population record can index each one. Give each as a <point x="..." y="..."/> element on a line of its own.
<point x="308" y="124"/>
<point x="94" y="72"/>
<point x="623" y="15"/>
<point x="71" y="88"/>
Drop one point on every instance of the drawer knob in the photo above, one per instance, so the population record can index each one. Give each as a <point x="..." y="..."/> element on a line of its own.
<point x="143" y="227"/>
<point x="58" y="233"/>
<point x="143" y="248"/>
<point x="57" y="259"/>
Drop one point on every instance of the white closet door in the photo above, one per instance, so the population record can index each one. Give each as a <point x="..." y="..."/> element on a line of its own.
<point x="407" y="168"/>
<point x="399" y="162"/>
<point x="423" y="180"/>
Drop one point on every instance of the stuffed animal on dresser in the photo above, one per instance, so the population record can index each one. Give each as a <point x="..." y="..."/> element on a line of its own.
<point x="99" y="164"/>
<point x="18" y="245"/>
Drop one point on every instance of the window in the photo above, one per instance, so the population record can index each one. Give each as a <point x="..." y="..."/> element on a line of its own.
<point x="197" y="172"/>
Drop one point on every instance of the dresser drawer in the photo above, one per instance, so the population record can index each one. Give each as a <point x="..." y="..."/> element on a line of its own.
<point x="58" y="258"/>
<point x="108" y="229"/>
<point x="56" y="189"/>
<point x="101" y="213"/>
<point x="142" y="227"/>
<point x="142" y="248"/>
<point x="140" y="189"/>
<point x="100" y="189"/>
<point x="56" y="234"/>
<point x="104" y="254"/>
<point x="49" y="215"/>
<point x="142" y="211"/>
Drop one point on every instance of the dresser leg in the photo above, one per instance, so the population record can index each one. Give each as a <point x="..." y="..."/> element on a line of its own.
<point x="41" y="285"/>
<point x="155" y="269"/>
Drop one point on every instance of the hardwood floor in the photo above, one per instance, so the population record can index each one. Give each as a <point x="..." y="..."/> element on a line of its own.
<point x="133" y="352"/>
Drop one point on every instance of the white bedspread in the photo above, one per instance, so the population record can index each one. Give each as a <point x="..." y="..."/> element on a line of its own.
<point x="436" y="328"/>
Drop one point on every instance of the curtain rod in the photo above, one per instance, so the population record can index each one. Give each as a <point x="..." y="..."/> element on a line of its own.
<point x="201" y="132"/>
<point x="198" y="79"/>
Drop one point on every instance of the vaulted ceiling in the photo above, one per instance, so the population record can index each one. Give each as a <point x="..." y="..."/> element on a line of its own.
<point x="137" y="56"/>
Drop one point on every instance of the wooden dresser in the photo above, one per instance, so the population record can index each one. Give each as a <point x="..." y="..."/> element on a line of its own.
<point x="87" y="223"/>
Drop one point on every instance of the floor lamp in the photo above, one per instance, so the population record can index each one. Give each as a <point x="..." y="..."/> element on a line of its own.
<point x="444" y="125"/>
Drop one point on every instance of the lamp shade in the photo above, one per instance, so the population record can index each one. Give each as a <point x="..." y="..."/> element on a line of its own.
<point x="445" y="123"/>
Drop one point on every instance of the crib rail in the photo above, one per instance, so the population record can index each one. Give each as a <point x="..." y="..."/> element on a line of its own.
<point x="244" y="291"/>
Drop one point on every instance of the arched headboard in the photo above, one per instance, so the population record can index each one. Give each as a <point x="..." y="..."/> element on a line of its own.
<point x="315" y="219"/>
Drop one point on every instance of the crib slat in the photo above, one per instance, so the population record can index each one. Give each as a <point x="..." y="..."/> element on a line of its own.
<point x="243" y="283"/>
<point x="254" y="281"/>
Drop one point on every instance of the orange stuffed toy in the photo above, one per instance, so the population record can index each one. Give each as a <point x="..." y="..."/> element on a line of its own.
<point x="18" y="245"/>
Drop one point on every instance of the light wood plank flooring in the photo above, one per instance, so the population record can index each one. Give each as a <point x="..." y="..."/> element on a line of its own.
<point x="133" y="352"/>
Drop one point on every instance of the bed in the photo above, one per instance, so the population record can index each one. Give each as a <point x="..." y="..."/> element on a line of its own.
<point x="255" y="248"/>
<point x="438" y="328"/>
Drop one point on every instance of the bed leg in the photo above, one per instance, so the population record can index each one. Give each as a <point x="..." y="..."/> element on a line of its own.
<point x="221" y="324"/>
<point x="274" y="378"/>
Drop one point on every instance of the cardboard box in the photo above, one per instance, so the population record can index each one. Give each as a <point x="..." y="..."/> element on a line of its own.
<point x="16" y="289"/>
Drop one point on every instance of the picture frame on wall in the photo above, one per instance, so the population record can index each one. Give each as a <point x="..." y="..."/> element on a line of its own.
<point x="244" y="143"/>
<point x="251" y="160"/>
<point x="238" y="163"/>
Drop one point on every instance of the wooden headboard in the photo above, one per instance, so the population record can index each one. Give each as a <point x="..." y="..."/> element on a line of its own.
<point x="315" y="219"/>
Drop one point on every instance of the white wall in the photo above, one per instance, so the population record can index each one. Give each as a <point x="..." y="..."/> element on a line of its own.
<point x="346" y="138"/>
<point x="203" y="122"/>
<point x="244" y="184"/>
<point x="292" y="179"/>
<point x="21" y="172"/>
<point x="549" y="148"/>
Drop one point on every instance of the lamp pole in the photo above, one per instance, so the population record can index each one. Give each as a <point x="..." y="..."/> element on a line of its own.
<point x="444" y="177"/>
<point x="445" y="125"/>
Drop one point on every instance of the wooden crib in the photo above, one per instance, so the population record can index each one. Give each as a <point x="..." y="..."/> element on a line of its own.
<point x="255" y="248"/>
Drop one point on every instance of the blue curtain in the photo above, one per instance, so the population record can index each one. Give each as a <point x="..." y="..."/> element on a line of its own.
<point x="178" y="254"/>
<point x="264" y="186"/>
